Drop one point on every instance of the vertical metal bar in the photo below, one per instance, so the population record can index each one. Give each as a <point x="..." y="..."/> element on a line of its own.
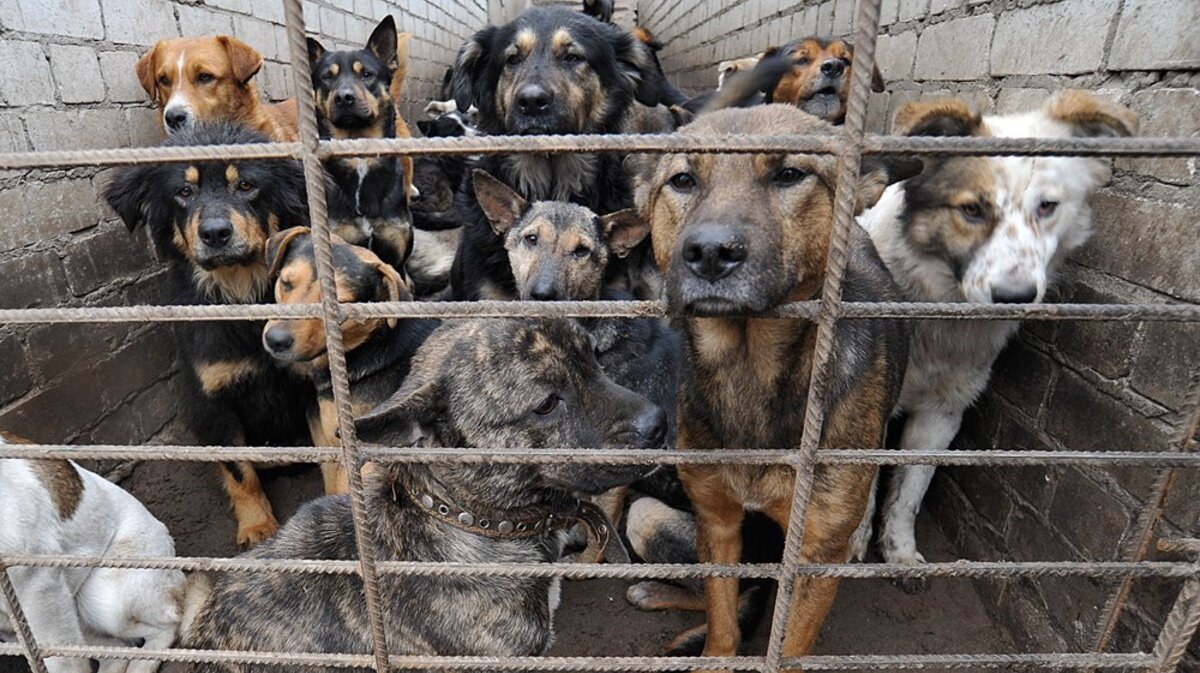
<point x="1138" y="547"/>
<point x="1179" y="628"/>
<point x="20" y="624"/>
<point x="314" y="178"/>
<point x="849" y="162"/>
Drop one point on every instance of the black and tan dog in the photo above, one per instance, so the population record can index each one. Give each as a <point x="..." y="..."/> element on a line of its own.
<point x="212" y="221"/>
<point x="490" y="383"/>
<point x="736" y="235"/>
<point x="549" y="71"/>
<point x="378" y="350"/>
<point x="369" y="201"/>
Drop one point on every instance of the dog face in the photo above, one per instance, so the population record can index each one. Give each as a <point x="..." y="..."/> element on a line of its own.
<point x="359" y="275"/>
<point x="517" y="383"/>
<point x="352" y="87"/>
<point x="199" y="80"/>
<point x="737" y="234"/>
<point x="558" y="250"/>
<point x="217" y="216"/>
<point x="1000" y="225"/>
<point x="552" y="71"/>
<point x="819" y="82"/>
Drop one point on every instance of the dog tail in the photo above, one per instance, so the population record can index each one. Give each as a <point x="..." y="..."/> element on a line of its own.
<point x="752" y="605"/>
<point x="749" y="87"/>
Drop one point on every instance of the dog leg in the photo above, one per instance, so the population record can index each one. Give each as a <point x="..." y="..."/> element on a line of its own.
<point x="50" y="610"/>
<point x="897" y="539"/>
<point x="250" y="505"/>
<point x="662" y="534"/>
<point x="719" y="515"/>
<point x="861" y="540"/>
<point x="159" y="637"/>
<point x="336" y="481"/>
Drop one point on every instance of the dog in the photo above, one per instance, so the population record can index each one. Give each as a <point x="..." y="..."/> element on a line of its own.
<point x="369" y="204"/>
<point x="487" y="383"/>
<point x="601" y="10"/>
<point x="211" y="221"/>
<point x="982" y="230"/>
<point x="378" y="350"/>
<point x="551" y="70"/>
<point x="736" y="235"/>
<point x="726" y="69"/>
<point x="57" y="507"/>
<point x="210" y="79"/>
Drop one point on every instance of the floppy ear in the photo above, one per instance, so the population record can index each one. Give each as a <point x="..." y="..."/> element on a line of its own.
<point x="949" y="117"/>
<point x="499" y="202"/>
<point x="636" y="63"/>
<point x="624" y="229"/>
<point x="243" y="59"/>
<point x="393" y="282"/>
<point x="466" y="84"/>
<point x="315" y="51"/>
<point x="277" y="247"/>
<point x="382" y="42"/>
<point x="129" y="195"/>
<point x="876" y="173"/>
<point x="405" y="419"/>
<point x="1089" y="115"/>
<point x="145" y="67"/>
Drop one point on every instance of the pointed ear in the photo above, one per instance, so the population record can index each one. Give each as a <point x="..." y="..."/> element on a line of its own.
<point x="1089" y="115"/>
<point x="393" y="283"/>
<point x="277" y="247"/>
<point x="636" y="63"/>
<point x="466" y="84"/>
<point x="244" y="61"/>
<point x="949" y="117"/>
<point x="681" y="115"/>
<point x="145" y="68"/>
<point x="382" y="42"/>
<point x="877" y="173"/>
<point x="624" y="229"/>
<point x="877" y="84"/>
<point x="315" y="51"/>
<point x="129" y="195"/>
<point x="406" y="419"/>
<point x="499" y="202"/>
<point x="425" y="127"/>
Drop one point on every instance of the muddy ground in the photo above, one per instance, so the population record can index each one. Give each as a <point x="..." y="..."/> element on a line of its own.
<point x="869" y="617"/>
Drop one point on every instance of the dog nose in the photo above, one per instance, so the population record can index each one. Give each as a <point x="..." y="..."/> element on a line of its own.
<point x="833" y="68"/>
<point x="344" y="98"/>
<point x="714" y="251"/>
<point x="176" y="118"/>
<point x="543" y="291"/>
<point x="278" y="339"/>
<point x="534" y="99"/>
<point x="651" y="425"/>
<point x="1014" y="294"/>
<point x="216" y="232"/>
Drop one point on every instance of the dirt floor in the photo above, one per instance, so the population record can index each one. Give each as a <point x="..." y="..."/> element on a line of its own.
<point x="870" y="616"/>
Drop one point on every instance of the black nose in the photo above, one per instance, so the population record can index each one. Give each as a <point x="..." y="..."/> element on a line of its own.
<point x="534" y="99"/>
<point x="652" y="425"/>
<point x="833" y="68"/>
<point x="175" y="119"/>
<point x="344" y="98"/>
<point x="278" y="339"/>
<point x="216" y="233"/>
<point x="714" y="251"/>
<point x="1016" y="294"/>
<point x="543" y="292"/>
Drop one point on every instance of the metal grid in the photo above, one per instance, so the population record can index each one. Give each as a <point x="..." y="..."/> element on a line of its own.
<point x="1181" y="624"/>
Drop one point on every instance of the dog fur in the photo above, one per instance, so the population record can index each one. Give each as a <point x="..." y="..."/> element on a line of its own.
<point x="211" y="221"/>
<point x="981" y="230"/>
<point x="56" y="507"/>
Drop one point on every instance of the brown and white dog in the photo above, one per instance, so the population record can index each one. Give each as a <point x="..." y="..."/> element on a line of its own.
<point x="201" y="79"/>
<point x="983" y="230"/>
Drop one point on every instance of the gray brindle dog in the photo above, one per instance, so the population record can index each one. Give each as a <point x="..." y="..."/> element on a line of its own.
<point x="487" y="383"/>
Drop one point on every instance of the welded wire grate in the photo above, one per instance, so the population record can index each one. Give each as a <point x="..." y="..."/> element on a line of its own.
<point x="850" y="147"/>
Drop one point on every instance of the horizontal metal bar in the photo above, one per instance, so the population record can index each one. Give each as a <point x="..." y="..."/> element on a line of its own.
<point x="147" y="155"/>
<point x="464" y="455"/>
<point x="410" y="662"/>
<point x="597" y="309"/>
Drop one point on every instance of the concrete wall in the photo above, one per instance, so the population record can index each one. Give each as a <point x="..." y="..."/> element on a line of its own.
<point x="1065" y="385"/>
<point x="68" y="83"/>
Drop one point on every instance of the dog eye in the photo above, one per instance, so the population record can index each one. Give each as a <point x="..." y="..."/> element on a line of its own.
<point x="367" y="74"/>
<point x="786" y="177"/>
<point x="973" y="212"/>
<point x="204" y="78"/>
<point x="572" y="57"/>
<point x="548" y="405"/>
<point x="184" y="192"/>
<point x="581" y="251"/>
<point x="803" y="61"/>
<point x="1047" y="208"/>
<point x="164" y="80"/>
<point x="531" y="239"/>
<point x="244" y="186"/>
<point x="683" y="182"/>
<point x="285" y="285"/>
<point x="513" y="59"/>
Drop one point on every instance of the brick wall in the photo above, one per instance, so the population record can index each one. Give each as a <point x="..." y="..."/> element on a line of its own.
<point x="1065" y="385"/>
<point x="68" y="83"/>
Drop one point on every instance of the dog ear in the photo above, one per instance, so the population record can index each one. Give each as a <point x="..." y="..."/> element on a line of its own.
<point x="145" y="68"/>
<point x="129" y="195"/>
<point x="877" y="173"/>
<point x="499" y="202"/>
<point x="243" y="59"/>
<point x="647" y="38"/>
<point x="949" y="117"/>
<point x="315" y="51"/>
<point x="395" y="285"/>
<point x="877" y="84"/>
<point x="624" y="229"/>
<point x="425" y="127"/>
<point x="382" y="42"/>
<point x="636" y="63"/>
<point x="466" y="84"/>
<point x="405" y="419"/>
<point x="277" y="247"/>
<point x="681" y="115"/>
<point x="1089" y="115"/>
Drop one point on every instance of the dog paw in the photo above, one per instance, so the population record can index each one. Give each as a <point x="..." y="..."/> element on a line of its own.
<point x="250" y="534"/>
<point x="643" y="596"/>
<point x="909" y="585"/>
<point x="655" y="596"/>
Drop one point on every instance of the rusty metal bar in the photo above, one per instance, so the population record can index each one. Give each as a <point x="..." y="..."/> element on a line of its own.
<point x="27" y="644"/>
<point x="1179" y="628"/>
<point x="314" y="179"/>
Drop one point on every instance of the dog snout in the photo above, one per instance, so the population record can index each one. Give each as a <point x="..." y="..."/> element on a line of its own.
<point x="651" y="426"/>
<point x="833" y="67"/>
<point x="1014" y="294"/>
<point x="215" y="233"/>
<point x="278" y="339"/>
<point x="345" y="98"/>
<point x="543" y="290"/>
<point x="534" y="99"/>
<point x="176" y="119"/>
<point x="714" y="251"/>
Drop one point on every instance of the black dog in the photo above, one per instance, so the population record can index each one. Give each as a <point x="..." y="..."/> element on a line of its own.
<point x="211" y="221"/>
<point x="549" y="71"/>
<point x="369" y="201"/>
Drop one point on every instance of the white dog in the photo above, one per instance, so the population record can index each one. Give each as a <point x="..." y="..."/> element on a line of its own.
<point x="981" y="230"/>
<point x="56" y="507"/>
